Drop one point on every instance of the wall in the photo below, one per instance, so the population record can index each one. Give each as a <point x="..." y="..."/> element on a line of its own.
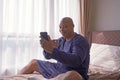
<point x="105" y="15"/>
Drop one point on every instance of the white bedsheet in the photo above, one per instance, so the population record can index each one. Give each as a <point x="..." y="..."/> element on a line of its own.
<point x="23" y="77"/>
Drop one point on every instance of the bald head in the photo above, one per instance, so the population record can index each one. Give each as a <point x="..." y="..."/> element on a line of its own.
<point x="66" y="28"/>
<point x="67" y="20"/>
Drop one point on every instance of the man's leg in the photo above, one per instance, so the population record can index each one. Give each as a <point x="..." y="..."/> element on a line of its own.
<point x="70" y="75"/>
<point x="30" y="68"/>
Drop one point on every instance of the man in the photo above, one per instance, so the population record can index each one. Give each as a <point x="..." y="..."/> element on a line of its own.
<point x="72" y="55"/>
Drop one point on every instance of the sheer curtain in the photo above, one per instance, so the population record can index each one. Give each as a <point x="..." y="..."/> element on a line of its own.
<point x="21" y="21"/>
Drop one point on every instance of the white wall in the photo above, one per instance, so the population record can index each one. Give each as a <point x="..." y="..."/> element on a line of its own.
<point x="105" y="15"/>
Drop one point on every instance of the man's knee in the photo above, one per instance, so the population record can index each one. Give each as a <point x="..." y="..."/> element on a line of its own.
<point x="34" y="64"/>
<point x="33" y="61"/>
<point x="73" y="72"/>
<point x="73" y="75"/>
<point x="69" y="75"/>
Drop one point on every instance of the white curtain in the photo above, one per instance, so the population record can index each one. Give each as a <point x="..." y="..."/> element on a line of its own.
<point x="21" y="21"/>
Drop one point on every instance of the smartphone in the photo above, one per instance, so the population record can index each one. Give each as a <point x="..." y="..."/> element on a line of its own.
<point x="44" y="35"/>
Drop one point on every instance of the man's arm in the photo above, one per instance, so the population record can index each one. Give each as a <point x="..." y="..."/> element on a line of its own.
<point x="79" y="52"/>
<point x="46" y="55"/>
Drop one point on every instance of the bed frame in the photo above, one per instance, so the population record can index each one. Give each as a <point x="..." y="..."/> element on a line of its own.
<point x="106" y="37"/>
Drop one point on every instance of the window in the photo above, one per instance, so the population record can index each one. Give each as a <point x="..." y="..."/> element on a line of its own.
<point x="20" y="24"/>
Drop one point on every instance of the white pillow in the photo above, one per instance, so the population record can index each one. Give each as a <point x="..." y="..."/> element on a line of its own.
<point x="106" y="56"/>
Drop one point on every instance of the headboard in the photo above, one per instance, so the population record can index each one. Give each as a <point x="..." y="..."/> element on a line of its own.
<point x="106" y="37"/>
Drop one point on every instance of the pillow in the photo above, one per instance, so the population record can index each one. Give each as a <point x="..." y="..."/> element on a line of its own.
<point x="105" y="56"/>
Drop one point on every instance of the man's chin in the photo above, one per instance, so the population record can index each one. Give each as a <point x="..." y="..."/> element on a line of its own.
<point x="64" y="36"/>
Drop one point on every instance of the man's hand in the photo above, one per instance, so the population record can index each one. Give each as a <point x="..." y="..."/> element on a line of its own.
<point x="48" y="45"/>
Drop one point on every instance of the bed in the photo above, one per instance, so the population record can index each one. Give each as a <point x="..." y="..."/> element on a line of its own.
<point x="104" y="58"/>
<point x="105" y="55"/>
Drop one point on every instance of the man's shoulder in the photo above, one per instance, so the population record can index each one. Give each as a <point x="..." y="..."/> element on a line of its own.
<point x="79" y="37"/>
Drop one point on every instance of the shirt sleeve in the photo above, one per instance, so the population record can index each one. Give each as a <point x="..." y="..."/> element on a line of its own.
<point x="46" y="55"/>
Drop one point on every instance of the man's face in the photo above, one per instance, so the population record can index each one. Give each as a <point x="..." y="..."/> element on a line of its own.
<point x="66" y="28"/>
